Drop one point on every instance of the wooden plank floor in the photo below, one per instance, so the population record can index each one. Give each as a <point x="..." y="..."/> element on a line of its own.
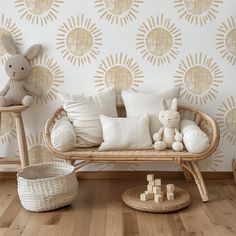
<point x="99" y="211"/>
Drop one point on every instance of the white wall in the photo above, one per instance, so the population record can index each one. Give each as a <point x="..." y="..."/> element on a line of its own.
<point x="191" y="43"/>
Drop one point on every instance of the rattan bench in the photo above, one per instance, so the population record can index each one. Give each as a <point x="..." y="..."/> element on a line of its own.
<point x="187" y="161"/>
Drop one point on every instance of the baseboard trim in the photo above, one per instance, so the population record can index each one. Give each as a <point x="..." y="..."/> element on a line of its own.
<point x="137" y="174"/>
<point x="142" y="174"/>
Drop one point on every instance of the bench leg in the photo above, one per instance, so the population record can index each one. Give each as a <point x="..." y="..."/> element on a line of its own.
<point x="72" y="162"/>
<point x="193" y="168"/>
<point x="81" y="164"/>
<point x="200" y="182"/>
<point x="187" y="175"/>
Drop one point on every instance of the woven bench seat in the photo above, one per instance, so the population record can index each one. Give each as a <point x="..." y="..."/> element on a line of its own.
<point x="129" y="155"/>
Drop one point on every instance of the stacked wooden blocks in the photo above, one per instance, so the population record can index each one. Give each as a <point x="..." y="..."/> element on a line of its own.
<point x="154" y="190"/>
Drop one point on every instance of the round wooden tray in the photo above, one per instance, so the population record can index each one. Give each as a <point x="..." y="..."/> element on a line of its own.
<point x="132" y="198"/>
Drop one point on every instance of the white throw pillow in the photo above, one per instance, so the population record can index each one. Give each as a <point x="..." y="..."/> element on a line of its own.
<point x="195" y="140"/>
<point x="137" y="103"/>
<point x="125" y="133"/>
<point x="84" y="112"/>
<point x="63" y="136"/>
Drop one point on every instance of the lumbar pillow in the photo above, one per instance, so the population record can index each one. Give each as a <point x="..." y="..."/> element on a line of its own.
<point x="137" y="104"/>
<point x="63" y="136"/>
<point x="125" y="133"/>
<point x="168" y="136"/>
<point x="84" y="112"/>
<point x="195" y="140"/>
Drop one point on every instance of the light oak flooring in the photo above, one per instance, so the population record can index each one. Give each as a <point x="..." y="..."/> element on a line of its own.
<point x="98" y="210"/>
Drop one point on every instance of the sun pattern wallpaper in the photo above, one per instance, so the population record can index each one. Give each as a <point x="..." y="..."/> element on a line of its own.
<point x="141" y="45"/>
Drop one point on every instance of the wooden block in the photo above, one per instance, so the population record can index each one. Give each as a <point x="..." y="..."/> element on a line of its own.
<point x="170" y="188"/>
<point x="152" y="183"/>
<point x="157" y="182"/>
<point x="149" y="188"/>
<point x="150" y="177"/>
<point x="158" y="198"/>
<point x="150" y="196"/>
<point x="156" y="190"/>
<point x="170" y="196"/>
<point x="143" y="197"/>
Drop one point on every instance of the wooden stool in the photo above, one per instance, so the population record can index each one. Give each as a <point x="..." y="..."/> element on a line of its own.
<point x="234" y="169"/>
<point x="22" y="144"/>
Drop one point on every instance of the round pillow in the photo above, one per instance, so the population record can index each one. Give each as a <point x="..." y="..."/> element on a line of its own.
<point x="63" y="136"/>
<point x="194" y="139"/>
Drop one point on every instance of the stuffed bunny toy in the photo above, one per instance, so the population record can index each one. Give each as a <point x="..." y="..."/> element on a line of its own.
<point x="17" y="67"/>
<point x="169" y="136"/>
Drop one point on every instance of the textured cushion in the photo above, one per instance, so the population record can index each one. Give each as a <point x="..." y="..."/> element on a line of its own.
<point x="195" y="140"/>
<point x="125" y="133"/>
<point x="84" y="112"/>
<point x="137" y="104"/>
<point x="63" y="136"/>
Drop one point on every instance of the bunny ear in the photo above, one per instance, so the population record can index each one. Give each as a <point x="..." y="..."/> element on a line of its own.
<point x="164" y="104"/>
<point x="174" y="104"/>
<point x="8" y="44"/>
<point x="33" y="51"/>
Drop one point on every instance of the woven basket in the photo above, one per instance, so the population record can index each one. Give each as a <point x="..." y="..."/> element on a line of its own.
<point x="47" y="186"/>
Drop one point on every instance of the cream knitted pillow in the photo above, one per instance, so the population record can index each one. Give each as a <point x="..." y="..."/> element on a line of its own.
<point x="137" y="104"/>
<point x="195" y="140"/>
<point x="63" y="136"/>
<point x="84" y="111"/>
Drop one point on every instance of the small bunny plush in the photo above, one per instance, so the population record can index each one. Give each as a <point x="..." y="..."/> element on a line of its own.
<point x="169" y="136"/>
<point x="17" y="67"/>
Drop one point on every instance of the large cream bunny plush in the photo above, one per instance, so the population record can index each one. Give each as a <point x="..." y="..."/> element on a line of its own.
<point x="169" y="136"/>
<point x="17" y="67"/>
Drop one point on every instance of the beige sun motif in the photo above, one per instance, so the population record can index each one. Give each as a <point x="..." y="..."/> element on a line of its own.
<point x="211" y="163"/>
<point x="38" y="152"/>
<point x="46" y="75"/>
<point x="197" y="12"/>
<point x="7" y="27"/>
<point x="38" y="12"/>
<point x="226" y="40"/>
<point x="199" y="77"/>
<point x="79" y="40"/>
<point x="158" y="40"/>
<point x="226" y="118"/>
<point x="119" y="71"/>
<point x="118" y="12"/>
<point x="7" y="127"/>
